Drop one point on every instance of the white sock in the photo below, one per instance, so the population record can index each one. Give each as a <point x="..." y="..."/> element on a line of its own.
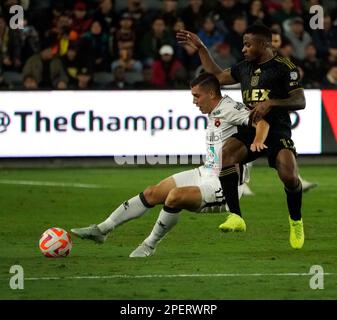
<point x="165" y="222"/>
<point x="128" y="210"/>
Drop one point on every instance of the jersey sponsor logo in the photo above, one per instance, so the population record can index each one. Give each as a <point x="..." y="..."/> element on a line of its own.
<point x="213" y="137"/>
<point x="255" y="95"/>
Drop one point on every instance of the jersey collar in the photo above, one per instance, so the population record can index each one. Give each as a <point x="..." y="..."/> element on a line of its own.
<point x="218" y="105"/>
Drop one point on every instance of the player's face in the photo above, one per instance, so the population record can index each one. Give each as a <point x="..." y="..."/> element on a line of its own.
<point x="276" y="41"/>
<point x="202" y="99"/>
<point x="252" y="47"/>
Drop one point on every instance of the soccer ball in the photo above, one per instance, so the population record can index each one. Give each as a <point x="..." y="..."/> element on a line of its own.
<point x="55" y="242"/>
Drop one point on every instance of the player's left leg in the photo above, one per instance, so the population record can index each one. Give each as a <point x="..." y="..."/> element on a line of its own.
<point x="131" y="209"/>
<point x="234" y="151"/>
<point x="286" y="166"/>
<point x="189" y="198"/>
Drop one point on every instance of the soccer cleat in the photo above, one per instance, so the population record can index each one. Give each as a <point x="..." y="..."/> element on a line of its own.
<point x="92" y="233"/>
<point x="306" y="185"/>
<point x="246" y="191"/>
<point x="233" y="223"/>
<point x="296" y="233"/>
<point x="142" y="251"/>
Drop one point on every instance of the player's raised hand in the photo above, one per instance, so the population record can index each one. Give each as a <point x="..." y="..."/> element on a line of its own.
<point x="189" y="38"/>
<point x="260" y="110"/>
<point x="257" y="146"/>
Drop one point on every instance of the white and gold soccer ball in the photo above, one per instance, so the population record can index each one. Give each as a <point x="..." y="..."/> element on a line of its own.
<point x="55" y="243"/>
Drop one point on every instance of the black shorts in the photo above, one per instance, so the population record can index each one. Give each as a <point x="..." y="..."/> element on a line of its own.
<point x="275" y="142"/>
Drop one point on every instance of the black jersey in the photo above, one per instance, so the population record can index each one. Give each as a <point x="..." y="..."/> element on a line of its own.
<point x="273" y="79"/>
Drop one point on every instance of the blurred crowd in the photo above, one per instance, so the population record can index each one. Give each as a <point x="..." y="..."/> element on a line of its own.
<point x="97" y="44"/>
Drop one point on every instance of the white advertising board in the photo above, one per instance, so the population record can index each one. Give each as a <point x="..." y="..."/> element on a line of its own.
<point x="114" y="123"/>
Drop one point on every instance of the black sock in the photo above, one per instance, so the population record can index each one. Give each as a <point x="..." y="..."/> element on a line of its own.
<point x="229" y="179"/>
<point x="171" y="210"/>
<point x="294" y="200"/>
<point x="144" y="201"/>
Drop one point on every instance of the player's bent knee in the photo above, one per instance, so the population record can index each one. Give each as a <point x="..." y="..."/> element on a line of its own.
<point x="230" y="157"/>
<point x="151" y="195"/>
<point x="290" y="181"/>
<point x="230" y="160"/>
<point x="233" y="152"/>
<point x="174" y="198"/>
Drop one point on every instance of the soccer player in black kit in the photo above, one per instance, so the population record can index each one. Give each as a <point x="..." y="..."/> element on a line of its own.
<point x="270" y="86"/>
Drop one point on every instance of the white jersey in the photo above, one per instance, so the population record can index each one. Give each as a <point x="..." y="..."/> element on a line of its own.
<point x="222" y="124"/>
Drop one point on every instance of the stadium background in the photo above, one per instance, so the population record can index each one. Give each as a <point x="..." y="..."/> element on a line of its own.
<point x="98" y="64"/>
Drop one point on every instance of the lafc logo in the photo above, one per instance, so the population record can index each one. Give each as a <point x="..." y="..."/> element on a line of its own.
<point x="254" y="81"/>
<point x="256" y="95"/>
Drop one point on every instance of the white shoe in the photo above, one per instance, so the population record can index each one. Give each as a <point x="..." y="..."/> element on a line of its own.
<point x="142" y="251"/>
<point x="246" y="191"/>
<point x="306" y="185"/>
<point x="92" y="233"/>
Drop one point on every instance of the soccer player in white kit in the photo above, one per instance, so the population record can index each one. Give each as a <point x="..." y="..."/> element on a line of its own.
<point x="196" y="190"/>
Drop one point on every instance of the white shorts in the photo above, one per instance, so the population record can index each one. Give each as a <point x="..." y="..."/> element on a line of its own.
<point x="212" y="199"/>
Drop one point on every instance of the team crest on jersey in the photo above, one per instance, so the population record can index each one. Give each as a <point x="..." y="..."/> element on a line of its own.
<point x="254" y="81"/>
<point x="217" y="122"/>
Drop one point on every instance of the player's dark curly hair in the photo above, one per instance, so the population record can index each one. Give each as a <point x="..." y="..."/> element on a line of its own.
<point x="260" y="30"/>
<point x="208" y="81"/>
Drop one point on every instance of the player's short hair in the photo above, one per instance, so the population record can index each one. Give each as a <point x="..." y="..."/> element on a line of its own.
<point x="208" y="81"/>
<point x="274" y="31"/>
<point x="261" y="31"/>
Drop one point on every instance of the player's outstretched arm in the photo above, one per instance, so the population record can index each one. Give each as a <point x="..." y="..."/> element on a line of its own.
<point x="262" y="129"/>
<point x="191" y="39"/>
<point x="296" y="101"/>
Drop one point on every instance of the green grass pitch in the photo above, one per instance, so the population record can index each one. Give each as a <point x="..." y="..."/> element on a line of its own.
<point x="259" y="264"/>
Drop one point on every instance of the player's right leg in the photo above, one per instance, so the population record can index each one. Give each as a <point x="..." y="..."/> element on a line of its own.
<point x="186" y="194"/>
<point x="128" y="210"/>
<point x="178" y="198"/>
